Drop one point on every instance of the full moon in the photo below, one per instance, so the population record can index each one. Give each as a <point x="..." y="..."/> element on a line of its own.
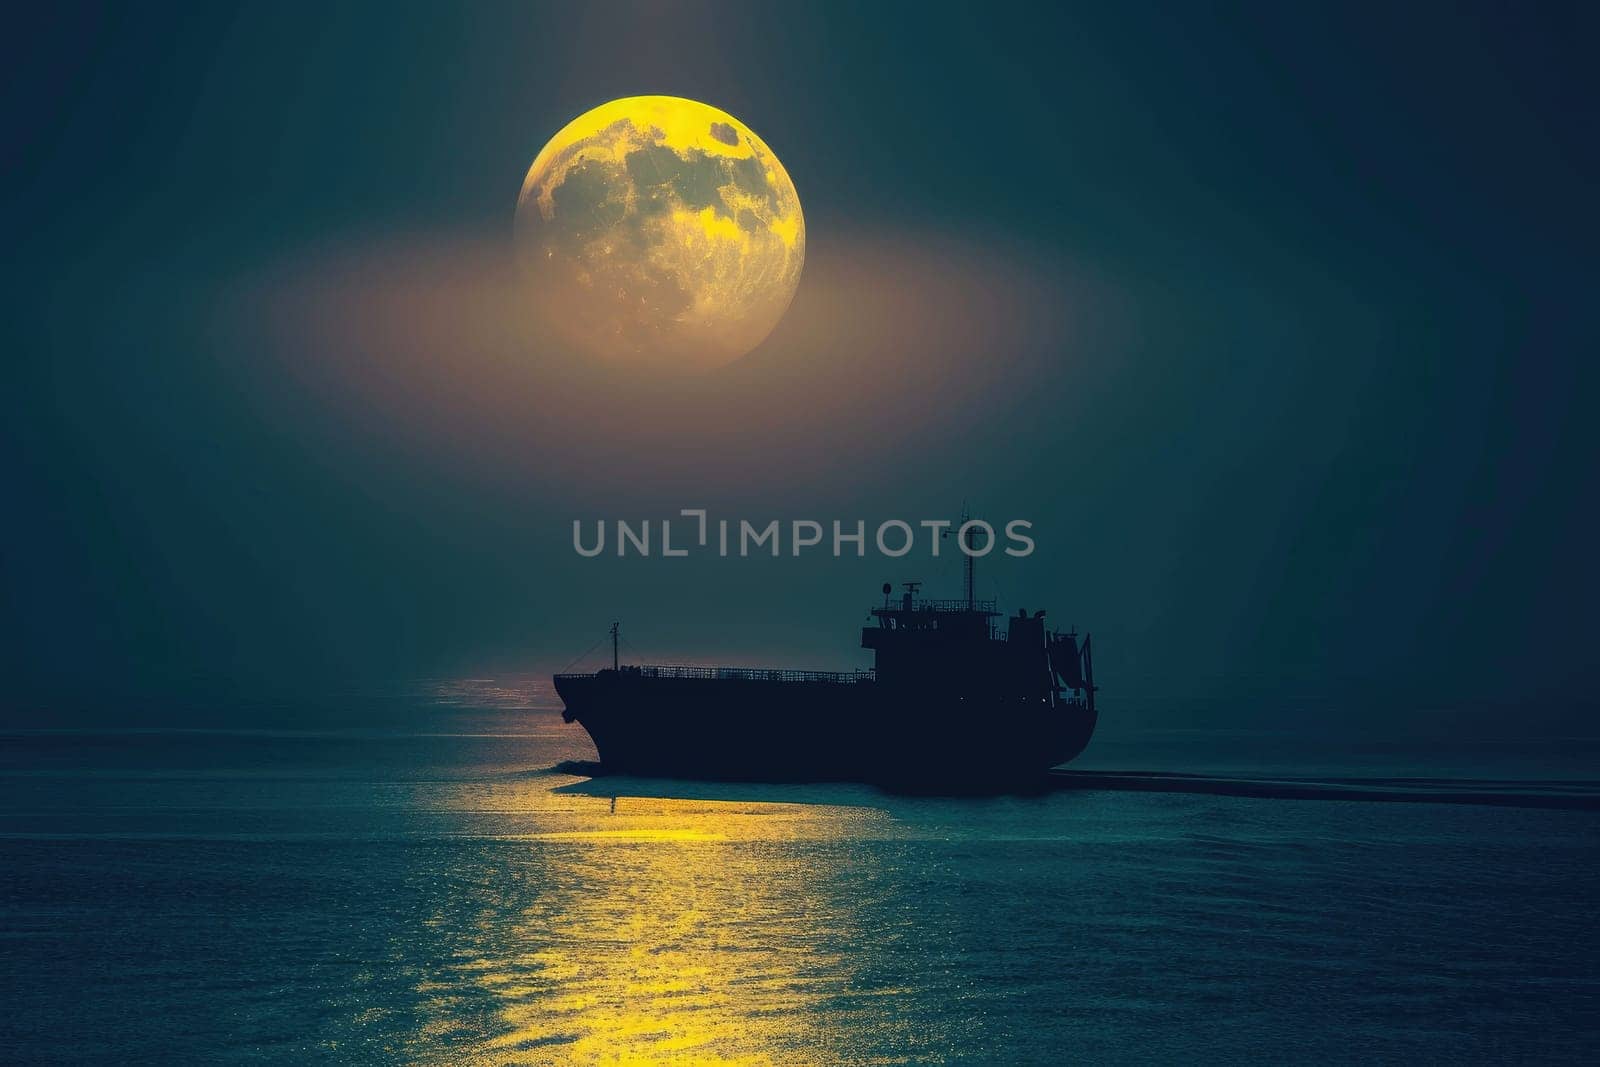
<point x="660" y="233"/>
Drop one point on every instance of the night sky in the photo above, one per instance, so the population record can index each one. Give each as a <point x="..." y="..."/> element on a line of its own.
<point x="1276" y="320"/>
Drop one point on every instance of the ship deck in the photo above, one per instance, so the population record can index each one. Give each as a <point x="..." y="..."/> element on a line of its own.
<point x="739" y="674"/>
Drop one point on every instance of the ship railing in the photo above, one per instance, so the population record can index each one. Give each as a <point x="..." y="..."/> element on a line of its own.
<point x="753" y="674"/>
<point x="740" y="674"/>
<point x="986" y="607"/>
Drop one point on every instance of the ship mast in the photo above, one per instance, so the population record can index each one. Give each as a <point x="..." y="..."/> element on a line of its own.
<point x="969" y="565"/>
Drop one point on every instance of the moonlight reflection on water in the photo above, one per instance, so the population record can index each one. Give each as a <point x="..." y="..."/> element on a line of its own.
<point x="686" y="931"/>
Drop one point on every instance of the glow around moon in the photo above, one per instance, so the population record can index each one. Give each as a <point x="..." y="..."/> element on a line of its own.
<point x="660" y="232"/>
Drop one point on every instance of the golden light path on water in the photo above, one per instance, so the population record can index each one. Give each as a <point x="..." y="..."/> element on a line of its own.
<point x="663" y="930"/>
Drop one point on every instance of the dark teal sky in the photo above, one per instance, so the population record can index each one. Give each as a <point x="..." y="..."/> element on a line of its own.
<point x="1276" y="320"/>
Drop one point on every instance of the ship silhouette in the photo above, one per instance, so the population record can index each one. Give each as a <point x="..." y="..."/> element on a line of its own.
<point x="953" y="700"/>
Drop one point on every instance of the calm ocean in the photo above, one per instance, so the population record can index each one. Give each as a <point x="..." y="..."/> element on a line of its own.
<point x="445" y="895"/>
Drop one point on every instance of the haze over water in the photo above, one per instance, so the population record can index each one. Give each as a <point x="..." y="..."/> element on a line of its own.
<point x="449" y="894"/>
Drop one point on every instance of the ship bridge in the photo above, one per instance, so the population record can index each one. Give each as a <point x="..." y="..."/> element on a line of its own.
<point x="958" y="647"/>
<point x="919" y="638"/>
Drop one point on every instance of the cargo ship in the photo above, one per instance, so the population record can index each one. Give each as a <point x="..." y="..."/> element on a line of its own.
<point x="955" y="697"/>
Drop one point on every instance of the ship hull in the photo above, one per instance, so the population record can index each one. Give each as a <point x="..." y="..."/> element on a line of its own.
<point x="752" y="730"/>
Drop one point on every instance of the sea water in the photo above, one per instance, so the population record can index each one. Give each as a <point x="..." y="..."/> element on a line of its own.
<point x="452" y="893"/>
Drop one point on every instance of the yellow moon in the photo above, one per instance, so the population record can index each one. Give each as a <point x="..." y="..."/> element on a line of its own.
<point x="660" y="233"/>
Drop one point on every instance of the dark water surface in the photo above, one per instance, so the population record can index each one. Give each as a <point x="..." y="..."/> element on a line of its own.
<point x="443" y="896"/>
